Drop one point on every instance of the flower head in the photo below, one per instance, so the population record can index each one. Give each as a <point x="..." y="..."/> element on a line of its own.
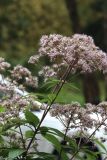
<point x="3" y="65"/>
<point x="65" y="50"/>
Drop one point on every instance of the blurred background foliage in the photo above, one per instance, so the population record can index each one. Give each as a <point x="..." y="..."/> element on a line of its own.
<point x="23" y="22"/>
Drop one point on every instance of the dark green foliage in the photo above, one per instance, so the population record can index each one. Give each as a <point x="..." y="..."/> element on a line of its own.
<point x="22" y="23"/>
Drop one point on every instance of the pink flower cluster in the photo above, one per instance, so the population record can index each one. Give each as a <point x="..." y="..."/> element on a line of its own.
<point x="87" y="116"/>
<point x="3" y="65"/>
<point x="13" y="102"/>
<point x="48" y="72"/>
<point x="63" y="50"/>
<point x="21" y="73"/>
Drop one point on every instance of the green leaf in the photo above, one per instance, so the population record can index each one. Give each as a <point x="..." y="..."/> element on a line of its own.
<point x="72" y="86"/>
<point x="2" y="109"/>
<point x="29" y="134"/>
<point x="18" y="122"/>
<point x="51" y="97"/>
<point x="12" y="123"/>
<point x="71" y="141"/>
<point x="91" y="155"/>
<point x="43" y="98"/>
<point x="39" y="159"/>
<point x="72" y="144"/>
<point x="50" y="83"/>
<point x="51" y="138"/>
<point x="46" y="156"/>
<point x="14" y="153"/>
<point x="1" y="140"/>
<point x="41" y="95"/>
<point x="58" y="133"/>
<point x="31" y="118"/>
<point x="100" y="144"/>
<point x="44" y="130"/>
<point x="6" y="127"/>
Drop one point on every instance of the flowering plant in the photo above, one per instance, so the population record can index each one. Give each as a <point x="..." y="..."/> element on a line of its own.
<point x="67" y="56"/>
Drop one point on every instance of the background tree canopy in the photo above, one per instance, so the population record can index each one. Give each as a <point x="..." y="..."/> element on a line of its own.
<point x="23" y="22"/>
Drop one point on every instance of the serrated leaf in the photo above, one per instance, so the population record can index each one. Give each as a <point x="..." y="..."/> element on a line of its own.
<point x="14" y="153"/>
<point x="31" y="118"/>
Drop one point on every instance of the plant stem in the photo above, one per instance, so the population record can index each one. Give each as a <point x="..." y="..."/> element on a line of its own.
<point x="23" y="141"/>
<point x="88" y="138"/>
<point x="67" y="127"/>
<point x="58" y="87"/>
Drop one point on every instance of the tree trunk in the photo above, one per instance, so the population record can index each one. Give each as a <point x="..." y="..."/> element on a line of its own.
<point x="73" y="14"/>
<point x="90" y="84"/>
<point x="91" y="89"/>
<point x="105" y="38"/>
